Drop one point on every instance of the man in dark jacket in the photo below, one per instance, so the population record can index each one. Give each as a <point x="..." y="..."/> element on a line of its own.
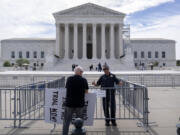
<point x="107" y="82"/>
<point x="76" y="87"/>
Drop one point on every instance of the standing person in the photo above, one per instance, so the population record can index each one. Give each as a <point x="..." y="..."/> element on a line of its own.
<point x="99" y="67"/>
<point x="108" y="80"/>
<point x="89" y="68"/>
<point x="76" y="87"/>
<point x="72" y="67"/>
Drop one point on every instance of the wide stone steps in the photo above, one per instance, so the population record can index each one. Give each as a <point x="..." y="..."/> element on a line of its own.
<point x="57" y="64"/>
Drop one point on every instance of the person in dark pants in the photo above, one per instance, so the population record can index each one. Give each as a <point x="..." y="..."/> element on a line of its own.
<point x="76" y="87"/>
<point x="99" y="67"/>
<point x="108" y="80"/>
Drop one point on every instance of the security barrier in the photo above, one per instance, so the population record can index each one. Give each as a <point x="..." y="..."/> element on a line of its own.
<point x="27" y="102"/>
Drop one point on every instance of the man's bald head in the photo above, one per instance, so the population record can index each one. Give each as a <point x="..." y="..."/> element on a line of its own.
<point x="78" y="70"/>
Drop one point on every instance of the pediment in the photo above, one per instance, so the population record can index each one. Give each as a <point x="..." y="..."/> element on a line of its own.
<point x="89" y="9"/>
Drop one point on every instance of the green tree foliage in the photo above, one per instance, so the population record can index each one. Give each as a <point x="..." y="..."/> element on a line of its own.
<point x="20" y="62"/>
<point x="155" y="64"/>
<point x="178" y="63"/>
<point x="7" y="64"/>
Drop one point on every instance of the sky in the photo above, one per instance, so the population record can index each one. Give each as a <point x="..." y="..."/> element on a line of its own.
<point x="147" y="18"/>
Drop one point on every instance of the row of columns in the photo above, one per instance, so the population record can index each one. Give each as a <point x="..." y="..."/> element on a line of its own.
<point x="94" y="42"/>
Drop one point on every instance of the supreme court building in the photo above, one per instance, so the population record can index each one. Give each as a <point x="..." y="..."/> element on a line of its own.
<point x="86" y="34"/>
<point x="89" y="32"/>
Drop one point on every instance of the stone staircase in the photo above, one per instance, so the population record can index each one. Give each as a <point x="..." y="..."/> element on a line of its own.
<point x="123" y="64"/>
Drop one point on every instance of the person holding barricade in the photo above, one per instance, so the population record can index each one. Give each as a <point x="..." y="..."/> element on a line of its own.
<point x="76" y="87"/>
<point x="107" y="82"/>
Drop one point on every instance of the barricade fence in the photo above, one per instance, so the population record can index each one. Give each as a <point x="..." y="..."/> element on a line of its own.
<point x="164" y="79"/>
<point x="27" y="102"/>
<point x="154" y="80"/>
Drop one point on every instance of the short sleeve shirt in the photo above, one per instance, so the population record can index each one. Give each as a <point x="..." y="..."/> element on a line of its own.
<point x="75" y="95"/>
<point x="108" y="80"/>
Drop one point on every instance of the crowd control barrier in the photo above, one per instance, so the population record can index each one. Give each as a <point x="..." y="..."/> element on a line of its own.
<point x="27" y="102"/>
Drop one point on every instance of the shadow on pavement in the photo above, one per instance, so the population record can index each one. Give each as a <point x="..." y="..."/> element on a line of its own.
<point x="117" y="131"/>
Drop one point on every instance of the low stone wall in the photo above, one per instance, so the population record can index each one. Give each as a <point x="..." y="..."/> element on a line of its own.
<point x="11" y="79"/>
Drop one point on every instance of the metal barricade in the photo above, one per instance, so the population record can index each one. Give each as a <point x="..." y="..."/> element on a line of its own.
<point x="131" y="103"/>
<point x="27" y="102"/>
<point x="7" y="107"/>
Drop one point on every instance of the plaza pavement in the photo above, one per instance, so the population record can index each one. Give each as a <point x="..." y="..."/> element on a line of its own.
<point x="164" y="107"/>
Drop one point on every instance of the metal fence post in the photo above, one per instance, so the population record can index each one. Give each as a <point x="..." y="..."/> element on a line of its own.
<point x="146" y="111"/>
<point x="15" y="107"/>
<point x="173" y="80"/>
<point x="19" y="113"/>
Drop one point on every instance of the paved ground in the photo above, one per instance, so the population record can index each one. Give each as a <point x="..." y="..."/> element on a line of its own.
<point x="164" y="106"/>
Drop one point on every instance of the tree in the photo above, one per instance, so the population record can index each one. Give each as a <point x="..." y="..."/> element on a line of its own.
<point x="178" y="62"/>
<point x="20" y="62"/>
<point x="155" y="64"/>
<point x="7" y="64"/>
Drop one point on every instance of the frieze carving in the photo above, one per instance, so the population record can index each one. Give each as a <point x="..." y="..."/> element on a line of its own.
<point x="88" y="10"/>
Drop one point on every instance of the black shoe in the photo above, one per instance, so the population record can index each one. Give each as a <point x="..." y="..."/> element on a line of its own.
<point x="114" y="124"/>
<point x="107" y="124"/>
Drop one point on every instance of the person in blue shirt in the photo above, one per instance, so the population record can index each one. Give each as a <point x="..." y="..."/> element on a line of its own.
<point x="107" y="81"/>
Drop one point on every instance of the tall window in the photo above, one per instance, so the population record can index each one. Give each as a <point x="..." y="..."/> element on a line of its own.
<point x="35" y="54"/>
<point x="156" y="54"/>
<point x="42" y="54"/>
<point x="142" y="54"/>
<point x="135" y="54"/>
<point x="27" y="54"/>
<point x="20" y="54"/>
<point x="12" y="54"/>
<point x="149" y="54"/>
<point x="163" y="54"/>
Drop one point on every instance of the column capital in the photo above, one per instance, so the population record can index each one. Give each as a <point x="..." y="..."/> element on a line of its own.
<point x="121" y="25"/>
<point x="112" y="24"/>
<point x="75" y="24"/>
<point x="103" y="24"/>
<point x="94" y="24"/>
<point x="57" y="24"/>
<point x="66" y="24"/>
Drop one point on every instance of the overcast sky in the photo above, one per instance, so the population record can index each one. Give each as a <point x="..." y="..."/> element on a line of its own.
<point x="148" y="18"/>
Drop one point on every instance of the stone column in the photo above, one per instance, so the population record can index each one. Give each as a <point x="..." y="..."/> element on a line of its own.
<point x="57" y="48"/>
<point x="75" y="41"/>
<point x="112" y="53"/>
<point x="66" y="41"/>
<point x="84" y="41"/>
<point x="103" y="41"/>
<point x="94" y="42"/>
<point x="120" y="40"/>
